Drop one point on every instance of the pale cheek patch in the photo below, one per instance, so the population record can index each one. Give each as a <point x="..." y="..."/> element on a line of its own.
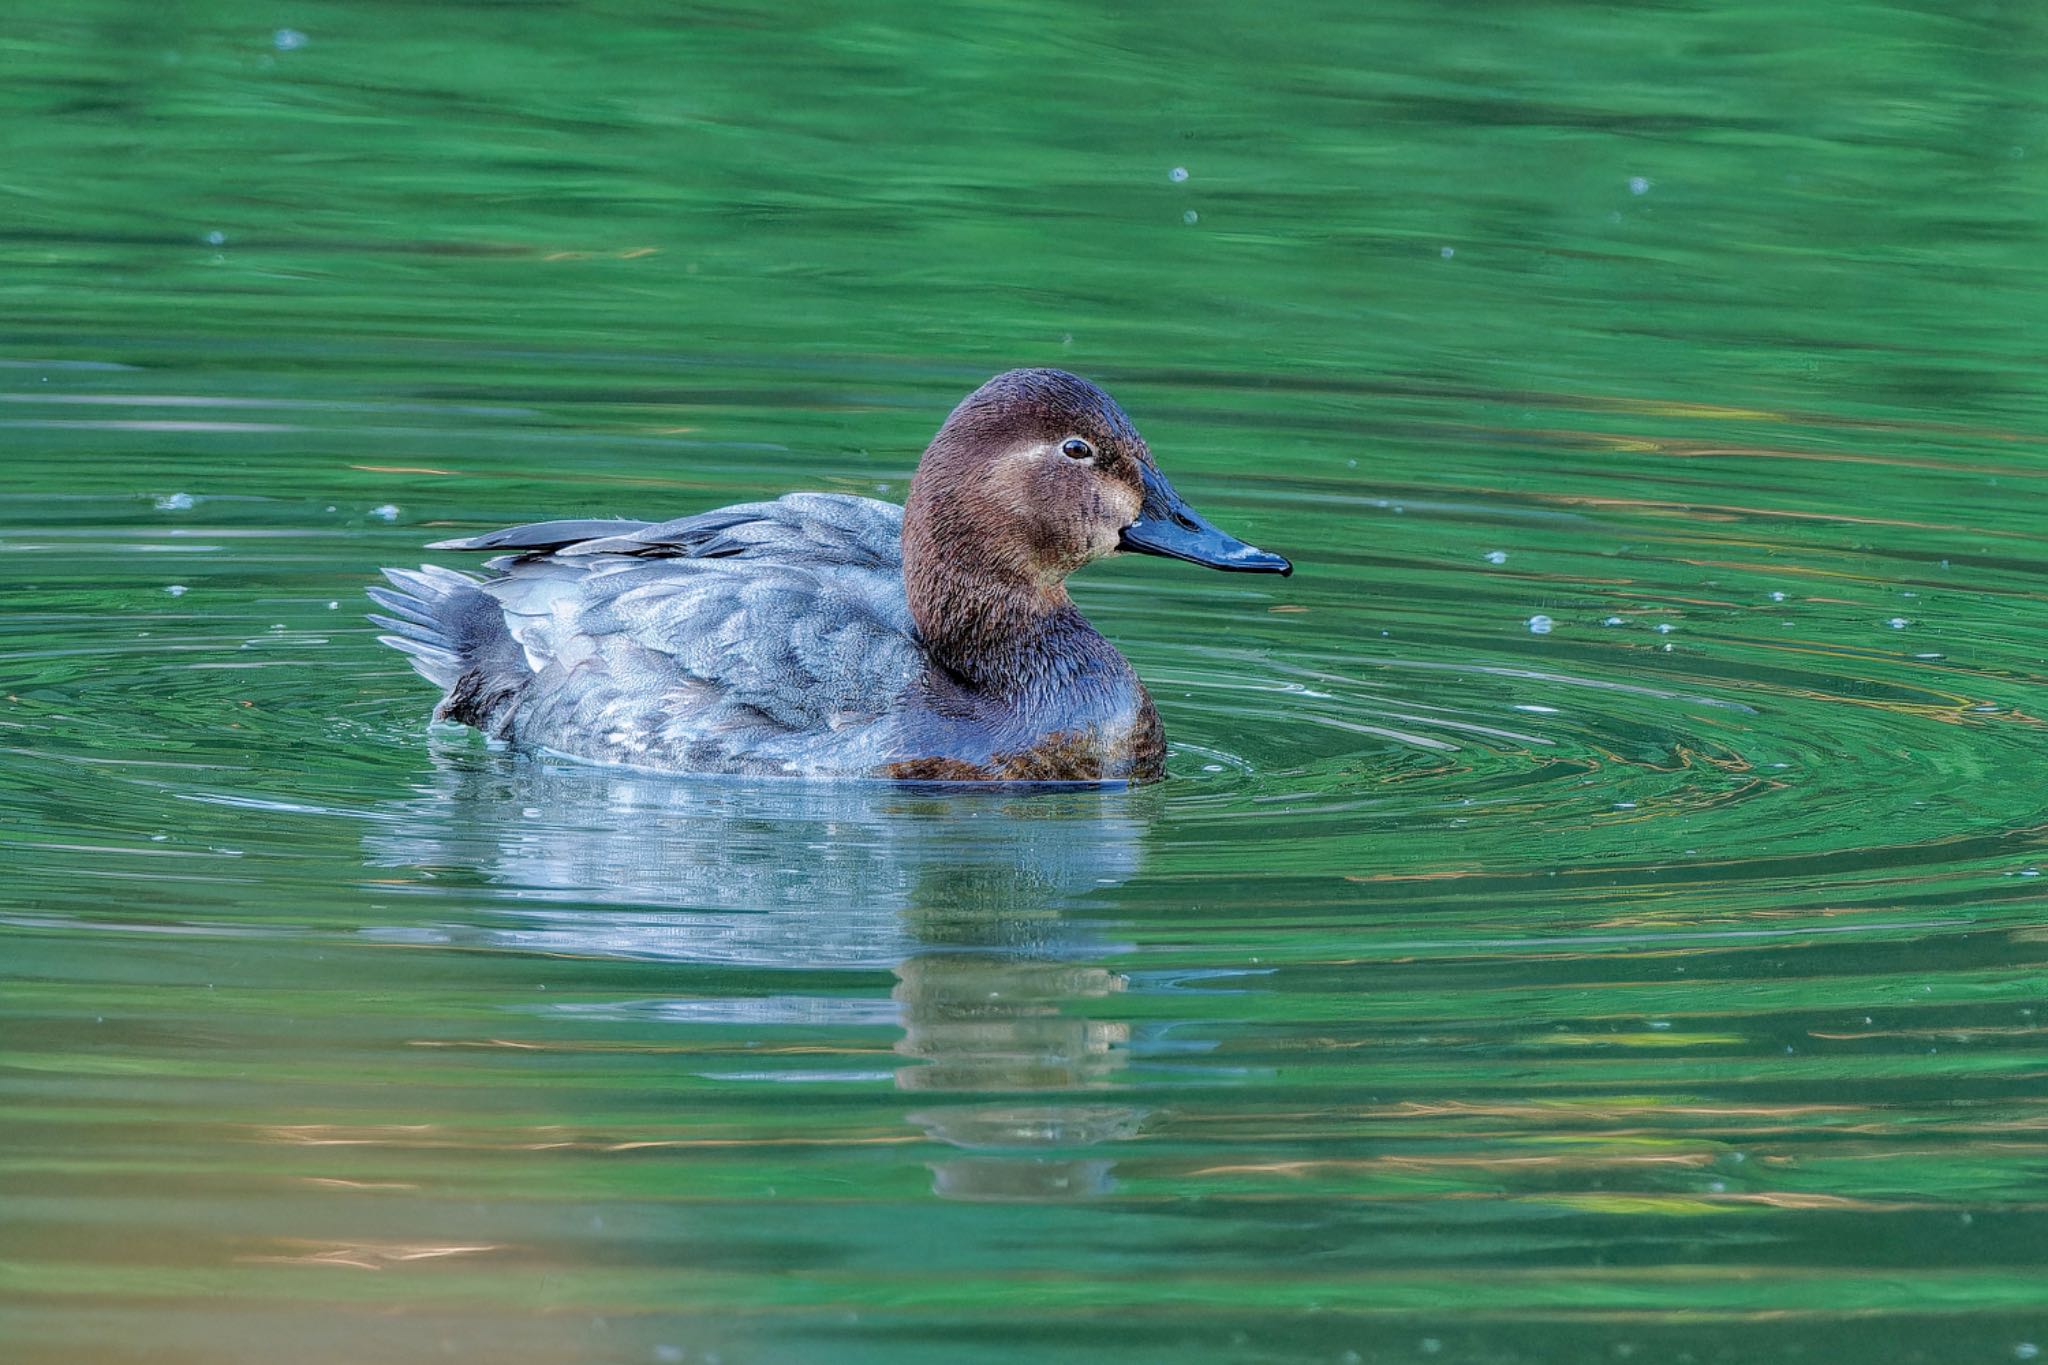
<point x="1009" y="479"/>
<point x="1129" y="502"/>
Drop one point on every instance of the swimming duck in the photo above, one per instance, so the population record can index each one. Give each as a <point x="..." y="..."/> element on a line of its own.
<point x="828" y="635"/>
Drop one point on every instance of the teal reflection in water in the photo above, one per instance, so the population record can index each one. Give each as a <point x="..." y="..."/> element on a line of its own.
<point x="959" y="894"/>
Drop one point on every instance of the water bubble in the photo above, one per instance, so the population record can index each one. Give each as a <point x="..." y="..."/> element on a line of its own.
<point x="1540" y="624"/>
<point x="1448" y="252"/>
<point x="388" y="512"/>
<point x="177" y="590"/>
<point x="1430" y="1346"/>
<point x="1638" y="184"/>
<point x="176" y="502"/>
<point x="1898" y="623"/>
<point x="334" y="606"/>
<point x="2026" y="1350"/>
<point x="1178" y="174"/>
<point x="1191" y="218"/>
<point x="288" y="40"/>
<point x="215" y="238"/>
<point x="1496" y="556"/>
<point x="1665" y="627"/>
<point x="1777" y="597"/>
<point x="1614" y="621"/>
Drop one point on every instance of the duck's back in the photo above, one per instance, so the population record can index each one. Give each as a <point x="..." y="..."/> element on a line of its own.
<point x="768" y="637"/>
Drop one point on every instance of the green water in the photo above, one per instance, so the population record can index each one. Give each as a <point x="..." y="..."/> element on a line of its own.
<point x="1668" y="986"/>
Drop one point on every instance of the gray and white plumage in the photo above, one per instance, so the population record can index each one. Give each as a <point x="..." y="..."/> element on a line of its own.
<point x="766" y="638"/>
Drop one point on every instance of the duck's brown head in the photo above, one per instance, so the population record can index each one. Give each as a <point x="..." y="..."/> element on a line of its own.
<point x="1037" y="473"/>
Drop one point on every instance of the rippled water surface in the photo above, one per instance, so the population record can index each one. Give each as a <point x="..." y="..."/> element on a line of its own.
<point x="1596" y="910"/>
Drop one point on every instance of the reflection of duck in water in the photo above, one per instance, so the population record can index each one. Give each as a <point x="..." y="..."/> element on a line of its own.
<point x="832" y="635"/>
<point x="967" y="899"/>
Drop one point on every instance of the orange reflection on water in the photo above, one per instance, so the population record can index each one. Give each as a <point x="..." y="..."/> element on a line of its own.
<point x="370" y="1256"/>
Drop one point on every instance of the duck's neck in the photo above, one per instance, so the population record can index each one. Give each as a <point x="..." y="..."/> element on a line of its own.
<point x="996" y="630"/>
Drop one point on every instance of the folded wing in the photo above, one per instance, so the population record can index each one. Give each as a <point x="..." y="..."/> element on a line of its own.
<point x="761" y="637"/>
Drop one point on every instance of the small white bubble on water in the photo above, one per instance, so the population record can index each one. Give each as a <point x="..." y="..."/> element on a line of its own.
<point x="334" y="606"/>
<point x="1212" y="767"/>
<point x="176" y="502"/>
<point x="1660" y="1023"/>
<point x="1777" y="597"/>
<point x="1930" y="656"/>
<point x="1667" y="649"/>
<point x="1178" y="175"/>
<point x="1624" y="805"/>
<point x="1496" y="556"/>
<point x="1898" y="623"/>
<point x="1448" y="252"/>
<point x="1665" y="627"/>
<point x="1430" y="1346"/>
<point x="388" y="512"/>
<point x="2026" y="1350"/>
<point x="1614" y="621"/>
<point x="176" y="590"/>
<point x="1540" y="624"/>
<point x="216" y="238"/>
<point x="1191" y="218"/>
<point x="1535" y="708"/>
<point x="1639" y="184"/>
<point x="288" y="40"/>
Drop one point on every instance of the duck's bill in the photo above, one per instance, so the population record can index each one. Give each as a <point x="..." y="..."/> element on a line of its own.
<point x="1166" y="525"/>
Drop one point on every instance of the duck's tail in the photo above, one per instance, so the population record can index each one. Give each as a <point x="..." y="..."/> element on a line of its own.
<point x="428" y="607"/>
<point x="453" y="633"/>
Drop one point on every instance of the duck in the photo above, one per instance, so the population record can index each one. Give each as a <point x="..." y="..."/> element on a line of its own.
<point x="828" y="635"/>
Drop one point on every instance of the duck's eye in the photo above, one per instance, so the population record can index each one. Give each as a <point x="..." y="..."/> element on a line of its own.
<point x="1074" y="448"/>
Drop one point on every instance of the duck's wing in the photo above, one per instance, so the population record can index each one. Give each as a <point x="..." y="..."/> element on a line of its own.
<point x="542" y="536"/>
<point x="715" y="642"/>
<point x="834" y="529"/>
